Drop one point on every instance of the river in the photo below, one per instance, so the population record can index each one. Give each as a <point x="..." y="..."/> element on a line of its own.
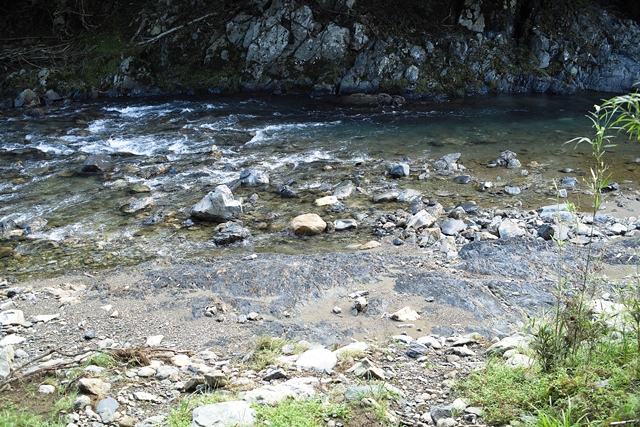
<point x="177" y="149"/>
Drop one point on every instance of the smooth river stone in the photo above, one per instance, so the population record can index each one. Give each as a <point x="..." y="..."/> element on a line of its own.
<point x="307" y="225"/>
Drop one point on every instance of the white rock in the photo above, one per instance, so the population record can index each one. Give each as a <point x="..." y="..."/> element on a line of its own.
<point x="11" y="317"/>
<point x="6" y="360"/>
<point x="46" y="318"/>
<point x="326" y="201"/>
<point x="403" y="338"/>
<point x="353" y="347"/>
<point x="11" y="340"/>
<point x="145" y="397"/>
<point x="46" y="389"/>
<point x="319" y="359"/>
<point x="180" y="360"/>
<point x="225" y="414"/>
<point x="405" y="314"/>
<point x="154" y="340"/>
<point x="520" y="361"/>
<point x="146" y="371"/>
<point x="514" y="341"/>
<point x="430" y="341"/>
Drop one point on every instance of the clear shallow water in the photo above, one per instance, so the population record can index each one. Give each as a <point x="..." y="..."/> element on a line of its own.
<point x="167" y="145"/>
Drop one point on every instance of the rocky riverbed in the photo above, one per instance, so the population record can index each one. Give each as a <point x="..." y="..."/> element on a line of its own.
<point x="414" y="319"/>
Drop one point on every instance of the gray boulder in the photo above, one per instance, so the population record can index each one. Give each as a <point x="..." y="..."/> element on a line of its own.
<point x="451" y="226"/>
<point x="344" y="190"/>
<point x="97" y="163"/>
<point x="218" y="205"/>
<point x="27" y="98"/>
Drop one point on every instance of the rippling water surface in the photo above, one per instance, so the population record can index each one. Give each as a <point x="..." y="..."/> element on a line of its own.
<point x="181" y="148"/>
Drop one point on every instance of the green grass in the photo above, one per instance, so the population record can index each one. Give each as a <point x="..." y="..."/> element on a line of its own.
<point x="300" y="413"/>
<point x="267" y="350"/>
<point x="102" y="359"/>
<point x="13" y="417"/>
<point x="595" y="387"/>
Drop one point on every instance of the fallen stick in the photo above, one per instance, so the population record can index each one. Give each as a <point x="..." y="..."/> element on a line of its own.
<point x="174" y="29"/>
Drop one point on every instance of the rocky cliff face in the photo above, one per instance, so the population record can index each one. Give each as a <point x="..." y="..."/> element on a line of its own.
<point x="345" y="46"/>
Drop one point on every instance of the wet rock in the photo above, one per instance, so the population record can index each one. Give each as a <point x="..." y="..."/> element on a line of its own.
<point x="345" y="224"/>
<point x="51" y="96"/>
<point x="462" y="179"/>
<point x="326" y="201"/>
<point x="231" y="233"/>
<point x="370" y="245"/>
<point x="286" y="192"/>
<point x="451" y="226"/>
<point x="507" y="159"/>
<point x="399" y="170"/>
<point x="234" y="413"/>
<point x="97" y="163"/>
<point x="218" y="205"/>
<point x="447" y="162"/>
<point x="134" y="206"/>
<point x="344" y="190"/>
<point x="6" y="252"/>
<point x="307" y="225"/>
<point x="254" y="177"/>
<point x="389" y="196"/>
<point x="409" y="196"/>
<point x="558" y="212"/>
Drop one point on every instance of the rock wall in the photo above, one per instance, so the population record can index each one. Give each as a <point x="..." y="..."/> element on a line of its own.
<point x="339" y="47"/>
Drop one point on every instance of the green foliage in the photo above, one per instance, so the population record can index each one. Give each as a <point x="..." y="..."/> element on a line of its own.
<point x="300" y="413"/>
<point x="102" y="359"/>
<point x="13" y="417"/>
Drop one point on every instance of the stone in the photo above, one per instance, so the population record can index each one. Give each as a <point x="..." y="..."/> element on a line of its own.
<point x="6" y="360"/>
<point x="11" y="317"/>
<point x="106" y="408"/>
<point x="462" y="179"/>
<point x="286" y="192"/>
<point x="6" y="252"/>
<point x="569" y="182"/>
<point x="512" y="191"/>
<point x="345" y="224"/>
<point x="360" y="304"/>
<point x="356" y="393"/>
<point x="93" y="386"/>
<point x="409" y="196"/>
<point x="416" y="350"/>
<point x="146" y="371"/>
<point x="402" y="338"/>
<point x="180" y="360"/>
<point x="81" y="402"/>
<point x="509" y="229"/>
<point x="520" y="361"/>
<point x="296" y="388"/>
<point x="12" y="339"/>
<point x="508" y="343"/>
<point x="399" y="170"/>
<point x="617" y="229"/>
<point x="218" y="205"/>
<point x="319" y="359"/>
<point x="452" y="226"/>
<point x="144" y="396"/>
<point x="225" y="414"/>
<point x="430" y="341"/>
<point x="134" y="206"/>
<point x="559" y="212"/>
<point x="367" y="370"/>
<point x="354" y="347"/>
<point x="154" y="340"/>
<point x="216" y="380"/>
<point x="326" y="201"/>
<point x="307" y="225"/>
<point x="370" y="245"/>
<point x="167" y="372"/>
<point x="440" y="412"/>
<point x="252" y="177"/>
<point x="276" y="374"/>
<point x="45" y="318"/>
<point x="344" y="190"/>
<point x="446" y="422"/>
<point x="405" y="314"/>
<point x="96" y="164"/>
<point x="447" y="162"/>
<point x="389" y="196"/>
<point x="422" y="219"/>
<point x="232" y="233"/>
<point x="27" y="98"/>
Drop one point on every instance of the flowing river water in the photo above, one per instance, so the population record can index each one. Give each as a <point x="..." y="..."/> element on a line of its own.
<point x="177" y="149"/>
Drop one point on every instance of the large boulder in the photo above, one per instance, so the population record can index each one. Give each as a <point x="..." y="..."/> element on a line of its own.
<point x="218" y="205"/>
<point x="27" y="98"/>
<point x="307" y="225"/>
